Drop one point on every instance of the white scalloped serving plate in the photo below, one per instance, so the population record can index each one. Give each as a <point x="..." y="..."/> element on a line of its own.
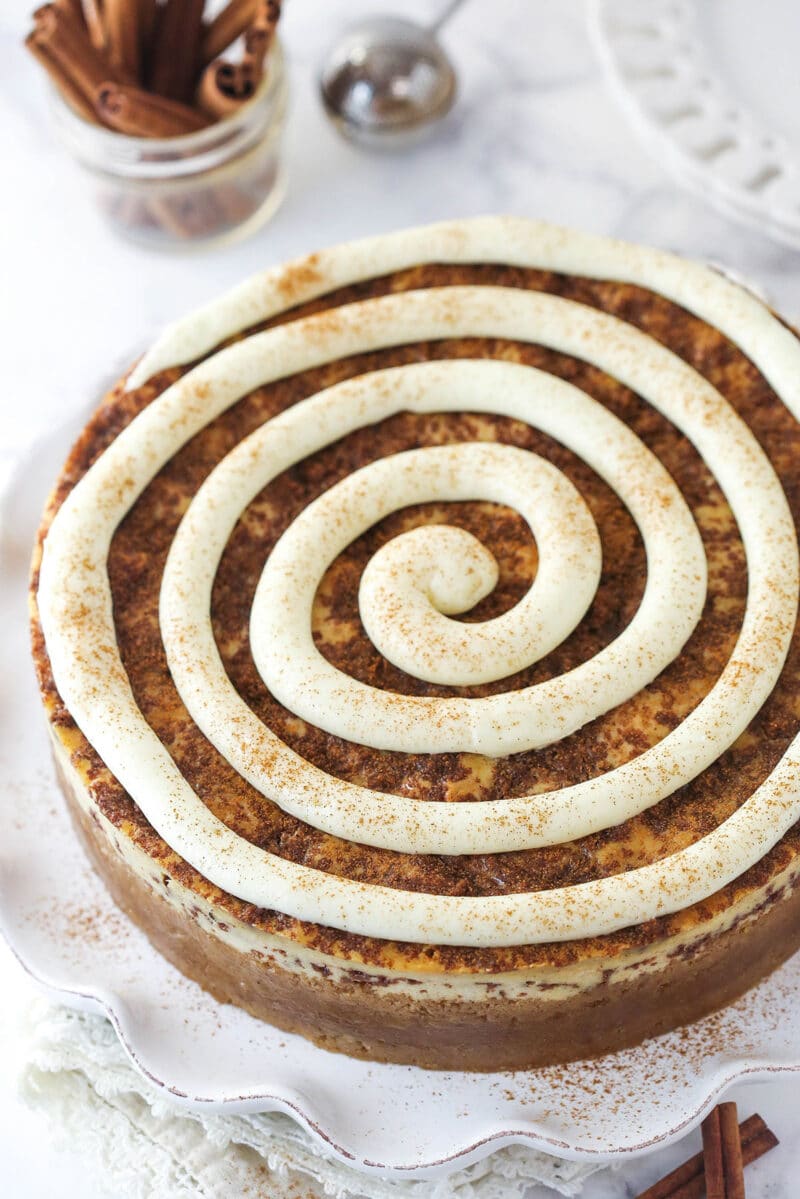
<point x="394" y="1120"/>
<point x="712" y="87"/>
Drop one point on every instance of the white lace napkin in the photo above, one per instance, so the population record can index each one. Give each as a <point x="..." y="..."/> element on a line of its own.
<point x="77" y="1074"/>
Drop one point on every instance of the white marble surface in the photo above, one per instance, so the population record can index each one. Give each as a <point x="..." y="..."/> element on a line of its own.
<point x="534" y="133"/>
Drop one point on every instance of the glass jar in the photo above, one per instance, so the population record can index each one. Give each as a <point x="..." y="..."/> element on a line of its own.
<point x="191" y="191"/>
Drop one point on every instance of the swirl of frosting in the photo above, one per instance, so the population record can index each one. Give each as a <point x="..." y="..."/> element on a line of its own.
<point x="306" y="683"/>
<point x="75" y="595"/>
<point x="410" y="586"/>
<point x="415" y="581"/>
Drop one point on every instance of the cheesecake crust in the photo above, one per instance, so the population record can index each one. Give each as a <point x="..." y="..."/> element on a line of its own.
<point x="494" y="1022"/>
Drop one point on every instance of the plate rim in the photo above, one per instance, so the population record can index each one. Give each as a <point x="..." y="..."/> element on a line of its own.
<point x="262" y="1101"/>
<point x="698" y="176"/>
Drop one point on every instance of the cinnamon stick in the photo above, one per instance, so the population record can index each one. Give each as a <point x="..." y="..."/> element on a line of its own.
<point x="264" y="21"/>
<point x="688" y="1180"/>
<point x="258" y="38"/>
<point x="176" y="52"/>
<point x="226" y="27"/>
<point x="121" y="21"/>
<point x="134" y="64"/>
<point x="235" y="204"/>
<point x="61" y="40"/>
<point x="712" y="1156"/>
<point x="141" y="114"/>
<point x="64" y="82"/>
<point x="72" y="8"/>
<point x="149" y="11"/>
<point x="188" y="216"/>
<point x="224" y="87"/>
<point x="732" y="1166"/>
<point x="94" y="23"/>
<point x="127" y="211"/>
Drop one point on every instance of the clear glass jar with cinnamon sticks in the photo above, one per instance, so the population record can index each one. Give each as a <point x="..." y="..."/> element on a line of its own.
<point x="182" y="146"/>
<point x="195" y="189"/>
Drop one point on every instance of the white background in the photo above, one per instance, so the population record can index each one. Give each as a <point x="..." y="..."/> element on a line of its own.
<point x="535" y="133"/>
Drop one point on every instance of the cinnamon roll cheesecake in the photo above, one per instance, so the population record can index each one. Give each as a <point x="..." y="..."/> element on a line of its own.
<point x="416" y="627"/>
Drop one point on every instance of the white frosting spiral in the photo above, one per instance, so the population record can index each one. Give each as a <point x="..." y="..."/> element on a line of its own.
<point x="418" y="577"/>
<point x="415" y="584"/>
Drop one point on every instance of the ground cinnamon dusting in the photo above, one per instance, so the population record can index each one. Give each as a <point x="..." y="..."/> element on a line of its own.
<point x="136" y="564"/>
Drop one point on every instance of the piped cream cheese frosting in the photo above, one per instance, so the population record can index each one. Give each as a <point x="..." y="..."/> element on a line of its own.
<point x="416" y="584"/>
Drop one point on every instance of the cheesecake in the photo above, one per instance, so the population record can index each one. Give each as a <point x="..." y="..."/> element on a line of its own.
<point x="416" y="630"/>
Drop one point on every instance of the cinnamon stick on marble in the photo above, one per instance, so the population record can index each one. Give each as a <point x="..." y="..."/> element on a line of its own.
<point x="141" y="114"/>
<point x="688" y="1180"/>
<point x="226" y="27"/>
<point x="732" y="1165"/>
<point x="176" y="49"/>
<point x="712" y="1156"/>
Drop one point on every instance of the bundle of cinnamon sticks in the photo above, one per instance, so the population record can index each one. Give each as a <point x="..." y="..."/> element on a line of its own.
<point x="717" y="1172"/>
<point x="153" y="68"/>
